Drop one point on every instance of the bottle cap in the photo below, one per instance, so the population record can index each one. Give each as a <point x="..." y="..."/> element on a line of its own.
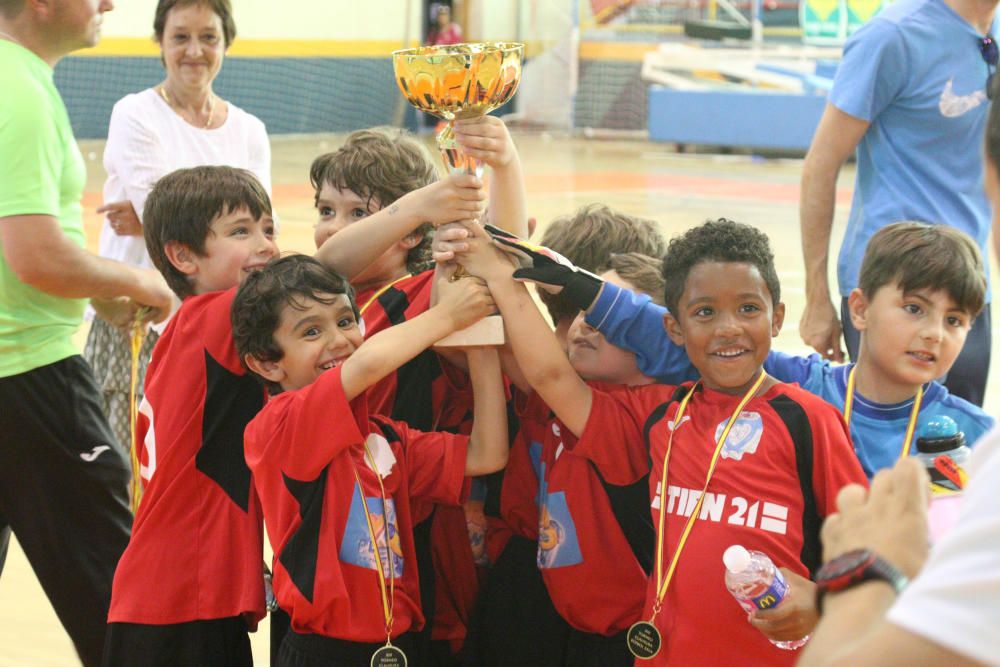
<point x="736" y="558"/>
<point x="939" y="433"/>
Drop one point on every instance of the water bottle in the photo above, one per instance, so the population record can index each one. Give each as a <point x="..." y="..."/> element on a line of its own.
<point x="939" y="437"/>
<point x="756" y="583"/>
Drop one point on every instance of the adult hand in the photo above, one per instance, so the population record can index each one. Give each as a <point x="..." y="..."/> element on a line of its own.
<point x="820" y="328"/>
<point x="890" y="518"/>
<point x="122" y="217"/>
<point x="151" y="290"/>
<point x="119" y="312"/>
<point x="795" y="617"/>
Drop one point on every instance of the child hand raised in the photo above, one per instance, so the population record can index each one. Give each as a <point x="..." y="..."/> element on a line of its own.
<point x="486" y="138"/>
<point x="464" y="301"/>
<point x="458" y="197"/>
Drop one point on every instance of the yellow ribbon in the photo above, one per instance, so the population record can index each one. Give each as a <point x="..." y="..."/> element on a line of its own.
<point x="388" y="597"/>
<point x="663" y="583"/>
<point x="137" y="336"/>
<point x="380" y="293"/>
<point x="911" y="427"/>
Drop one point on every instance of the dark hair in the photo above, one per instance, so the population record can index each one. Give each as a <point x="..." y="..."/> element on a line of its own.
<point x="182" y="205"/>
<point x="719" y="240"/>
<point x="380" y="165"/>
<point x="643" y="271"/>
<point x="917" y="255"/>
<point x="222" y="9"/>
<point x="589" y="237"/>
<point x="285" y="281"/>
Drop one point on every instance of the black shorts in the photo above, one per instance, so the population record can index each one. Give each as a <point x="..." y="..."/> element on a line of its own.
<point x="308" y="650"/>
<point x="222" y="642"/>
<point x="64" y="493"/>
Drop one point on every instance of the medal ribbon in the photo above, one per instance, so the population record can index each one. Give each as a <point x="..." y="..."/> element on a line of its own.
<point x="388" y="597"/>
<point x="911" y="427"/>
<point x="137" y="336"/>
<point x="663" y="582"/>
<point x="380" y="293"/>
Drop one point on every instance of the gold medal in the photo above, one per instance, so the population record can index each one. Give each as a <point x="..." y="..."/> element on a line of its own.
<point x="643" y="640"/>
<point x="389" y="656"/>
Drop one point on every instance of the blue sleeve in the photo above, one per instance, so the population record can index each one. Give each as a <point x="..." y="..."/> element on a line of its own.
<point x="633" y="322"/>
<point x="873" y="71"/>
<point x="788" y="368"/>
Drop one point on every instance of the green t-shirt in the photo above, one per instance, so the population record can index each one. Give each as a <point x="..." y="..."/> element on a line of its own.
<point x="41" y="173"/>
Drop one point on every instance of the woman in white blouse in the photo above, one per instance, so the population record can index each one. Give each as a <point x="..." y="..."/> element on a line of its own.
<point x="176" y="124"/>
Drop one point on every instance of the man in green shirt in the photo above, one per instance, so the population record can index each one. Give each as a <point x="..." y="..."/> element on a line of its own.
<point x="63" y="481"/>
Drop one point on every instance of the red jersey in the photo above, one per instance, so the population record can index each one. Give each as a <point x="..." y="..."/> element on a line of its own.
<point x="304" y="449"/>
<point x="196" y="551"/>
<point x="590" y="568"/>
<point x="778" y="475"/>
<point x="430" y="394"/>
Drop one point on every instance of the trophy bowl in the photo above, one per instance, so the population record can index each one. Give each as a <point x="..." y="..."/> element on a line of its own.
<point x="455" y="82"/>
<point x="458" y="81"/>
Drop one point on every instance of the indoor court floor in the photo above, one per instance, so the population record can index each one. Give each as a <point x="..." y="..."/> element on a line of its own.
<point x="678" y="190"/>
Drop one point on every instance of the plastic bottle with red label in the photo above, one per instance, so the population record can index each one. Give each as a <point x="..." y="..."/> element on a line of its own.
<point x="756" y="583"/>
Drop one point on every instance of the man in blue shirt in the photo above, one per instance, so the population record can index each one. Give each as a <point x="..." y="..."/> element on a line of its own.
<point x="910" y="95"/>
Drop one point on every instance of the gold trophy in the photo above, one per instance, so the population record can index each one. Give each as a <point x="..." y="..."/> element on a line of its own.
<point x="455" y="82"/>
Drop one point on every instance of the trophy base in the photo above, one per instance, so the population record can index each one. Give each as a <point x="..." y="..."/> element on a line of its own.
<point x="486" y="332"/>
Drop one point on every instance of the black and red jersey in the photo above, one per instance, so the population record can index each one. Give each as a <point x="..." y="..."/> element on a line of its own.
<point x="304" y="449"/>
<point x="196" y="551"/>
<point x="778" y="475"/>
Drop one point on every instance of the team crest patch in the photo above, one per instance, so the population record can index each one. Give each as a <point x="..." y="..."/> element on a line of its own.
<point x="743" y="437"/>
<point x="357" y="548"/>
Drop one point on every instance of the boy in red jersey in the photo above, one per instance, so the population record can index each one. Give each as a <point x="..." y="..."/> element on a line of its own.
<point x="734" y="458"/>
<point x="546" y="489"/>
<point x="368" y="231"/>
<point x="335" y="480"/>
<point x="190" y="583"/>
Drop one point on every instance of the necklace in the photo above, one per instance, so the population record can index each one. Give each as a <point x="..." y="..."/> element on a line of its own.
<point x="211" y="104"/>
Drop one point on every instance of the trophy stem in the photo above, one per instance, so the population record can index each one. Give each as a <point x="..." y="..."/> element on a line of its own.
<point x="456" y="160"/>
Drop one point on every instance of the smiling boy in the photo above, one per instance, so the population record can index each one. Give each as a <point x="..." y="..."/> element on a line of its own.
<point x="336" y="481"/>
<point x="755" y="462"/>
<point x="190" y="583"/>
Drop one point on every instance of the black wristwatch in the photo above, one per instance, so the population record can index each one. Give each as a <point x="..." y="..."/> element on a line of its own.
<point x="852" y="568"/>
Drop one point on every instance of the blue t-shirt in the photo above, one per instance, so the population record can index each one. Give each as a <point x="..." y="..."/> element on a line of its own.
<point x="916" y="74"/>
<point x="877" y="430"/>
<point x="633" y="322"/>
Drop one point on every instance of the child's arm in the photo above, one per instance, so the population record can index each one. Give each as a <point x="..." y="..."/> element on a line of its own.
<point x="354" y="248"/>
<point x="461" y="303"/>
<point x="487" y="139"/>
<point x="488" y="445"/>
<point x="539" y="354"/>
